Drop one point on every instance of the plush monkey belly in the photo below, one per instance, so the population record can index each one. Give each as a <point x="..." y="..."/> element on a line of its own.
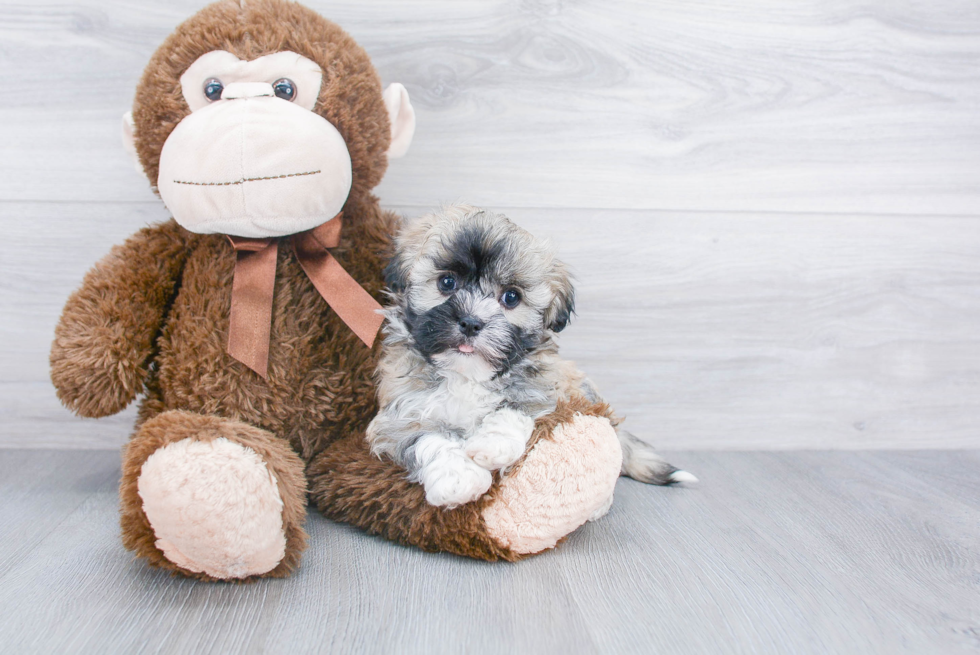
<point x="228" y="447"/>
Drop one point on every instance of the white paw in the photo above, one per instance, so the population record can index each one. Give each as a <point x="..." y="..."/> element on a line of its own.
<point x="453" y="483"/>
<point x="494" y="453"/>
<point x="501" y="439"/>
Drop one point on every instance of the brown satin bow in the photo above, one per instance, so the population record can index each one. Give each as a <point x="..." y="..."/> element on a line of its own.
<point x="250" y="322"/>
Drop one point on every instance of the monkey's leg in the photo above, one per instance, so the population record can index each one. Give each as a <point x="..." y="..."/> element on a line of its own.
<point x="567" y="474"/>
<point x="212" y="498"/>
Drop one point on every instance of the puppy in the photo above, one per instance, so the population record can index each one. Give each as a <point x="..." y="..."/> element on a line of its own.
<point x="470" y="359"/>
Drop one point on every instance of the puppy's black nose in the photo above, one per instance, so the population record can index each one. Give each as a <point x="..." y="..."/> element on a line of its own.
<point x="470" y="326"/>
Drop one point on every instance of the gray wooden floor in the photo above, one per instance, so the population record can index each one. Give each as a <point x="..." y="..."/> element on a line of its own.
<point x="805" y="552"/>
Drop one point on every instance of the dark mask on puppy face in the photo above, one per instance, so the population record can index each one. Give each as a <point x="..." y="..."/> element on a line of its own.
<point x="472" y="285"/>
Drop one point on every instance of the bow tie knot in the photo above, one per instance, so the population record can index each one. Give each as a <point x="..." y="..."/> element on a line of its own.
<point x="250" y="321"/>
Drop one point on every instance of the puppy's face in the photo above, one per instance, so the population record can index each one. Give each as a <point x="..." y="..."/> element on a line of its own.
<point x="476" y="292"/>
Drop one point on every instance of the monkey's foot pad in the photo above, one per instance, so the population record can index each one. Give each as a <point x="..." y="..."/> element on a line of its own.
<point x="214" y="508"/>
<point x="562" y="482"/>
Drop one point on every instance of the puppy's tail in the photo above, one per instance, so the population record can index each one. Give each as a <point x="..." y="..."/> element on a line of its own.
<point x="641" y="462"/>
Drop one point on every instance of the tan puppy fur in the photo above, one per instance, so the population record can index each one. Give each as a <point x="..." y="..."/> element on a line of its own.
<point x="470" y="360"/>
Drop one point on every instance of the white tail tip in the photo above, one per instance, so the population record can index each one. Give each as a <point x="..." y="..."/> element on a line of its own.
<point x="682" y="476"/>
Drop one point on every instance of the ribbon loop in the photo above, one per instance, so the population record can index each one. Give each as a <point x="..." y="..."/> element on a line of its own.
<point x="252" y="290"/>
<point x="326" y="234"/>
<point x="248" y="245"/>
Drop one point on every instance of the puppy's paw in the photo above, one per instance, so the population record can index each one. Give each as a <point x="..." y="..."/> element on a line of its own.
<point x="501" y="439"/>
<point x="494" y="453"/>
<point x="641" y="462"/>
<point x="455" y="483"/>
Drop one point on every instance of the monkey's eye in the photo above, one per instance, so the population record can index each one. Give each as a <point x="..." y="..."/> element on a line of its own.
<point x="213" y="89"/>
<point x="284" y="89"/>
<point x="511" y="298"/>
<point x="447" y="283"/>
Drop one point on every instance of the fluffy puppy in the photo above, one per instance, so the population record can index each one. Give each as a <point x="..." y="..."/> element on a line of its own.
<point x="470" y="359"/>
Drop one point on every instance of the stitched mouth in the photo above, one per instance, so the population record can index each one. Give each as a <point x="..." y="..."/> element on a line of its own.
<point x="247" y="179"/>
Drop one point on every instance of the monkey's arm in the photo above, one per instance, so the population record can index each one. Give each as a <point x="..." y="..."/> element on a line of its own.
<point x="107" y="331"/>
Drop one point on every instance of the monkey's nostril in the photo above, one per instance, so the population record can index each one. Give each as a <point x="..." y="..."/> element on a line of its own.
<point x="470" y="326"/>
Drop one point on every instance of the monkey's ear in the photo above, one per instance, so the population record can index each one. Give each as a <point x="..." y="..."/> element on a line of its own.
<point x="129" y="140"/>
<point x="562" y="307"/>
<point x="402" y="117"/>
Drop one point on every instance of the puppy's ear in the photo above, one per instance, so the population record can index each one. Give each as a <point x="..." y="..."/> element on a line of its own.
<point x="396" y="275"/>
<point x="563" y="305"/>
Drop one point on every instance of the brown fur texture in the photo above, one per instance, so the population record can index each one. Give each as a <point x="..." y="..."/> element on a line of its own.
<point x="286" y="467"/>
<point x="107" y="333"/>
<point x="350" y="485"/>
<point x="151" y="318"/>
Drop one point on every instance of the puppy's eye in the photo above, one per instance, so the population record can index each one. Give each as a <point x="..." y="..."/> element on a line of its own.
<point x="284" y="88"/>
<point x="511" y="298"/>
<point x="447" y="283"/>
<point x="213" y="89"/>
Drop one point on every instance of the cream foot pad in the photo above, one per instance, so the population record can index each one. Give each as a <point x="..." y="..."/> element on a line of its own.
<point x="564" y="481"/>
<point x="214" y="508"/>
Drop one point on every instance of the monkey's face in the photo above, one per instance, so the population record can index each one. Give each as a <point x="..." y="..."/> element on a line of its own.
<point x="262" y="119"/>
<point x="252" y="159"/>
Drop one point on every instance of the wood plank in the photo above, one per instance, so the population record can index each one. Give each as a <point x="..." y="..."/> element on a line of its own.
<point x="958" y="482"/>
<point x="763" y="331"/>
<point x="801" y="552"/>
<point x="40" y="489"/>
<point x="705" y="330"/>
<point x="51" y="246"/>
<point x="818" y="552"/>
<point x="827" y="107"/>
<point x="32" y="417"/>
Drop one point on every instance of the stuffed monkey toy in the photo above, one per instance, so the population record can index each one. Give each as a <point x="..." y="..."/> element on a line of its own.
<point x="247" y="323"/>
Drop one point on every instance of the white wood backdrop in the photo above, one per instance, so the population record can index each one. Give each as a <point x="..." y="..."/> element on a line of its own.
<point x="773" y="208"/>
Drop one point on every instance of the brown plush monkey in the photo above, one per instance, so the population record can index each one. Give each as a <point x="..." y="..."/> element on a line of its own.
<point x="242" y="322"/>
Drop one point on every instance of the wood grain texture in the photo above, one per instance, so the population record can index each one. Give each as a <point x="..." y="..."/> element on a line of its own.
<point x="768" y="331"/>
<point x="39" y="490"/>
<point x="49" y="248"/>
<point x="705" y="330"/>
<point x="812" y="106"/>
<point x="810" y="552"/>
<point x="774" y="327"/>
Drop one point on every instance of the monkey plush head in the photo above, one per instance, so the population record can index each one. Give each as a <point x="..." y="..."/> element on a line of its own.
<point x="260" y="118"/>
